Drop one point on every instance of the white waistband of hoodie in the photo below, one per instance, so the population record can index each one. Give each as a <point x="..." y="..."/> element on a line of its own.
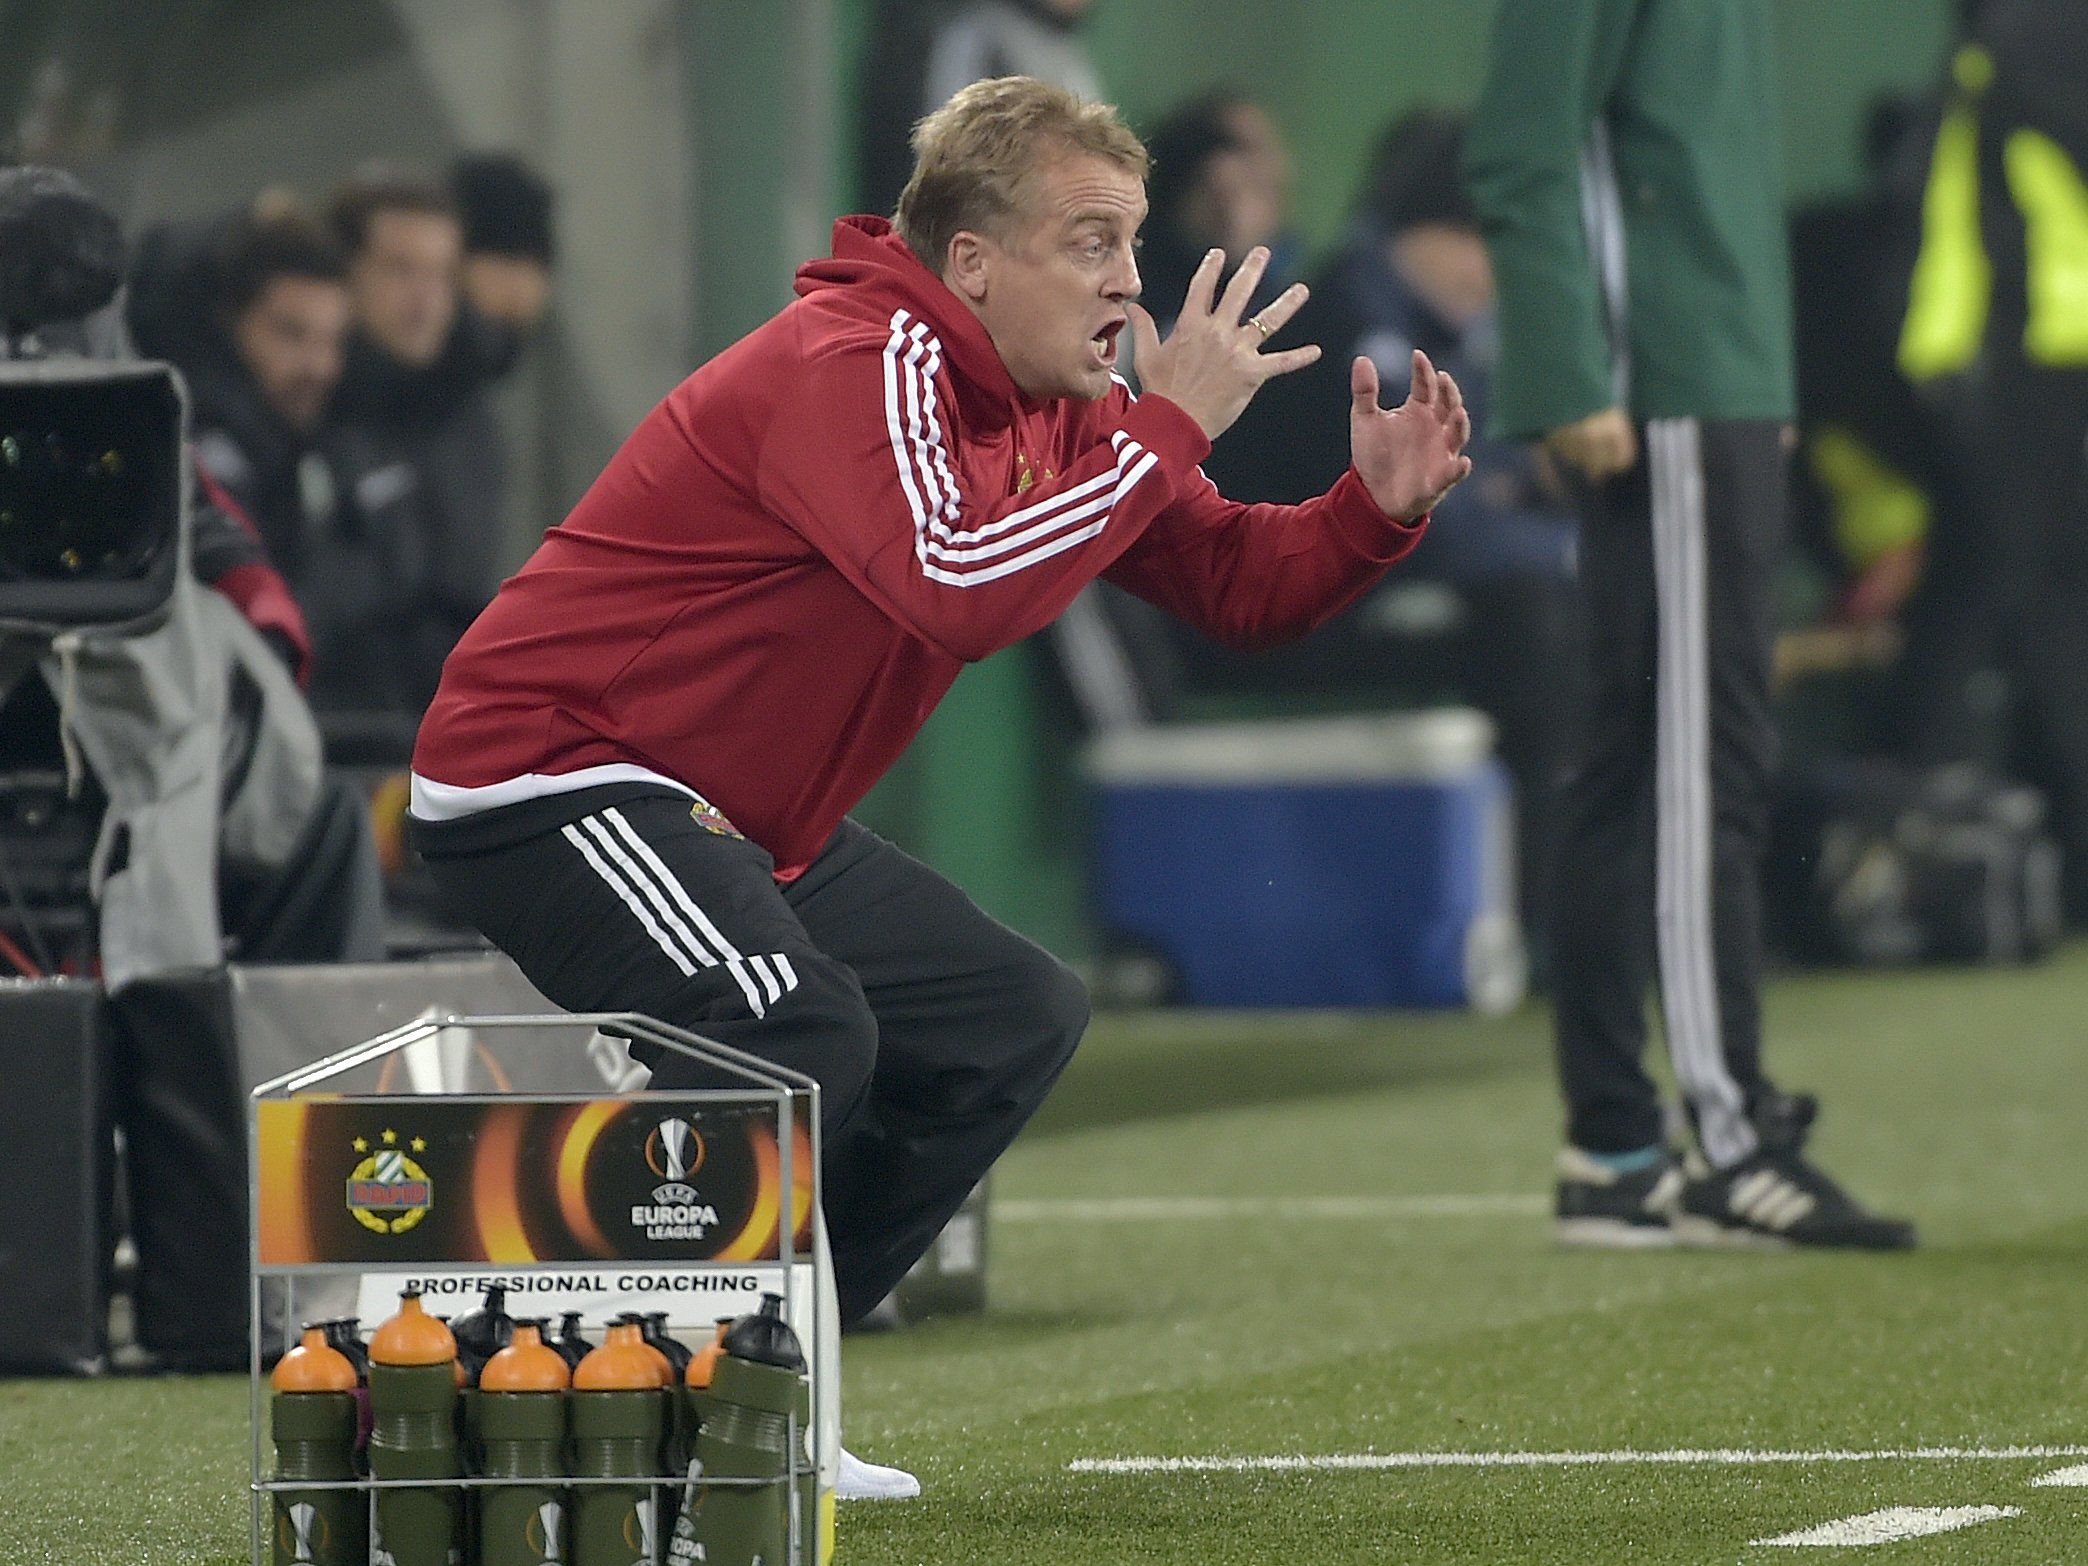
<point x="433" y="801"/>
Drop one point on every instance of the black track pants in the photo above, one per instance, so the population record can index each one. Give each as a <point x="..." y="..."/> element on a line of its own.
<point x="933" y="1032"/>
<point x="1659" y="858"/>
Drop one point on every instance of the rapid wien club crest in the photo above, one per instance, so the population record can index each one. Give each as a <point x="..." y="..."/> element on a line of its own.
<point x="387" y="1191"/>
<point x="712" y="819"/>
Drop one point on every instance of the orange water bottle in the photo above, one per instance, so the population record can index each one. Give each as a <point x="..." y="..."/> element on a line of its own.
<point x="413" y="1403"/>
<point x="312" y="1415"/>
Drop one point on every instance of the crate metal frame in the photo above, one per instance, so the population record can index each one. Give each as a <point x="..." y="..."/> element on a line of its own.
<point x="769" y="1084"/>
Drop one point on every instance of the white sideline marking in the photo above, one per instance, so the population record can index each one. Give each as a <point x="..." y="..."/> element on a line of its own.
<point x="2071" y="1478"/>
<point x="1170" y="1209"/>
<point x="1733" y="1456"/>
<point x="1895" y="1522"/>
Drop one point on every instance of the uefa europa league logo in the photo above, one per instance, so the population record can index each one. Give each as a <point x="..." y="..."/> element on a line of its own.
<point x="647" y="1531"/>
<point x="677" y="1148"/>
<point x="674" y="1150"/>
<point x="542" y="1534"/>
<point x="304" y="1524"/>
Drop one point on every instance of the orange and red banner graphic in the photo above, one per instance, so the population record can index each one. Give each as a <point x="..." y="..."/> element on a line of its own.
<point x="516" y="1181"/>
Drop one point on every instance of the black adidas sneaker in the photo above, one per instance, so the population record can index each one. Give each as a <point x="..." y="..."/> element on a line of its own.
<point x="1599" y="1208"/>
<point x="1776" y="1199"/>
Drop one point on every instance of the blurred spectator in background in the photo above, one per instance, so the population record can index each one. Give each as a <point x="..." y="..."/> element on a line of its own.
<point x="424" y="413"/>
<point x="1412" y="272"/>
<point x="1272" y="170"/>
<point x="1647" y="129"/>
<point x="1997" y="333"/>
<point x="335" y="518"/>
<point x="174" y="311"/>
<point x="1220" y="180"/>
<point x="405" y="249"/>
<point x="920" y="52"/>
<point x="285" y="301"/>
<point x="505" y="207"/>
<point x="510" y="247"/>
<point x="170" y="296"/>
<point x="260" y="382"/>
<point x="254" y="310"/>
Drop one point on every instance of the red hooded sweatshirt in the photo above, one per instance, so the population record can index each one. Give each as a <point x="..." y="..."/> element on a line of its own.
<point x="787" y="564"/>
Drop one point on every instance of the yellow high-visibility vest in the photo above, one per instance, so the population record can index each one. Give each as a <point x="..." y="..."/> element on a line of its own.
<point x="1953" y="281"/>
<point x="1952" y="288"/>
<point x="2053" y="199"/>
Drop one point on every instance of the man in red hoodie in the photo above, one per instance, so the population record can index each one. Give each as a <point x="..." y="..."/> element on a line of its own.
<point x="636" y="773"/>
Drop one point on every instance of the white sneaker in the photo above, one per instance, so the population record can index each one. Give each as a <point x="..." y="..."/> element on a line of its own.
<point x="860" y="1481"/>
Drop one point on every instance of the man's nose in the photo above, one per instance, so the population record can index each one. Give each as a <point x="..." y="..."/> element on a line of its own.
<point x="1124" y="284"/>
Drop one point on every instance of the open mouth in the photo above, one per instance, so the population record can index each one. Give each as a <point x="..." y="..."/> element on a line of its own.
<point x="1104" y="342"/>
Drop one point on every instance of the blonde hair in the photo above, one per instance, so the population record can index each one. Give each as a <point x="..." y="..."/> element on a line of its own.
<point x="976" y="157"/>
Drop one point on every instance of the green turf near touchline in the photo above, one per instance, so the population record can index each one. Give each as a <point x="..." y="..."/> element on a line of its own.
<point x="1960" y="1097"/>
<point x="1369" y="1317"/>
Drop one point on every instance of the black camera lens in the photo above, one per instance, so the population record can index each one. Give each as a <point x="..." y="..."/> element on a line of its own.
<point x="88" y="483"/>
<point x="91" y="492"/>
<point x="75" y="505"/>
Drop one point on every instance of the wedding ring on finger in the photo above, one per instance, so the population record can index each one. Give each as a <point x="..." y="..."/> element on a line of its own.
<point x="1259" y="325"/>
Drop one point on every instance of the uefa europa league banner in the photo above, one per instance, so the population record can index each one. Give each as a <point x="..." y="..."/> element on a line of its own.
<point x="513" y="1182"/>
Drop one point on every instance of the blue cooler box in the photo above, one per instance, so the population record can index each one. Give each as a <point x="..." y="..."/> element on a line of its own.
<point x="1356" y="861"/>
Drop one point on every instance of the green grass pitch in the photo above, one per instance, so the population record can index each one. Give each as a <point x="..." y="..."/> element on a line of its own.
<point x="1256" y="1325"/>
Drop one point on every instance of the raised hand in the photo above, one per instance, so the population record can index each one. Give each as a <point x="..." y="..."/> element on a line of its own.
<point x="1410" y="456"/>
<point x="1212" y="363"/>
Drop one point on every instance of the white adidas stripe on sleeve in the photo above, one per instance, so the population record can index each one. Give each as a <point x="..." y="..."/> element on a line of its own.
<point x="922" y="359"/>
<point x="908" y="475"/>
<point x="1035" y="533"/>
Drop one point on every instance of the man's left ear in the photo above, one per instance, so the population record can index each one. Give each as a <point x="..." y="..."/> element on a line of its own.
<point x="966" y="267"/>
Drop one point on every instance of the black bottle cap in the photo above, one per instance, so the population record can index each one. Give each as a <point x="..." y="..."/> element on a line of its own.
<point x="484" y="1332"/>
<point x="570" y="1342"/>
<point x="341" y="1335"/>
<point x="656" y="1334"/>
<point x="766" y="1338"/>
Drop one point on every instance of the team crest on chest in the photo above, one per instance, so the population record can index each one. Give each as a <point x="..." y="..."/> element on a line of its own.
<point x="1026" y="473"/>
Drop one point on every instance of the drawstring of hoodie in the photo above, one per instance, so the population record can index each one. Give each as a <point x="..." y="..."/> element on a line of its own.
<point x="67" y="645"/>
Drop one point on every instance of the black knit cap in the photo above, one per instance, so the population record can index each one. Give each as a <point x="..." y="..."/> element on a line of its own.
<point x="505" y="206"/>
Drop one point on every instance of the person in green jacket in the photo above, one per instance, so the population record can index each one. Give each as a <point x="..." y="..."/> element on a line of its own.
<point x="1623" y="159"/>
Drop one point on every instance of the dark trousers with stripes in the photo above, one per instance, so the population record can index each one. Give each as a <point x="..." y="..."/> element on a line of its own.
<point x="933" y="1031"/>
<point x="1666" y="810"/>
